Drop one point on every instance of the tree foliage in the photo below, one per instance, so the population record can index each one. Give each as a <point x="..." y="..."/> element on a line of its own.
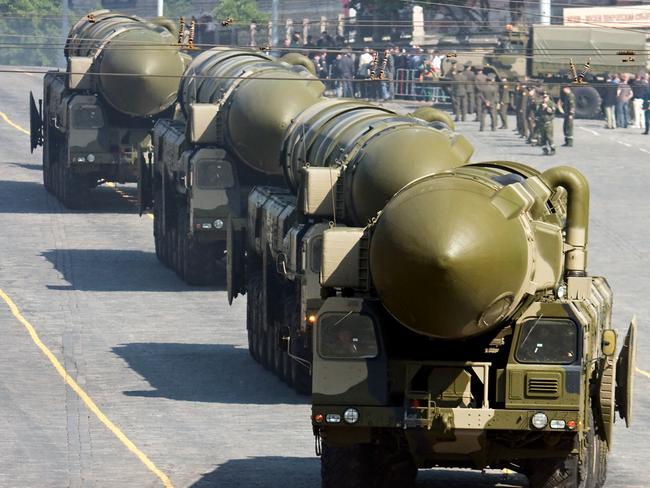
<point x="31" y="32"/>
<point x="242" y="11"/>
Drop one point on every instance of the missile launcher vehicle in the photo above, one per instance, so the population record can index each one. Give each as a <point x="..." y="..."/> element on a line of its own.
<point x="438" y="310"/>
<point x="95" y="118"/>
<point x="223" y="142"/>
<point x="451" y="323"/>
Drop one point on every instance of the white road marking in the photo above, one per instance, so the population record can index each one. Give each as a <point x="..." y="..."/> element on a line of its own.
<point x="590" y="131"/>
<point x="624" y="143"/>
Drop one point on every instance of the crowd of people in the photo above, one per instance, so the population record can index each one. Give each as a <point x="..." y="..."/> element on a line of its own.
<point x="383" y="74"/>
<point x="626" y="103"/>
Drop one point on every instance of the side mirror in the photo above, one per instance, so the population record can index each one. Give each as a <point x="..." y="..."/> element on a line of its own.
<point x="609" y="342"/>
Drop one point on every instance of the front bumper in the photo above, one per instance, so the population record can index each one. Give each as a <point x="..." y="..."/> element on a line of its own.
<point x="447" y="419"/>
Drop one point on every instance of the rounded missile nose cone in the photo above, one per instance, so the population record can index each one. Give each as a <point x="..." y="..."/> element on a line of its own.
<point x="445" y="261"/>
<point x="139" y="74"/>
<point x="396" y="158"/>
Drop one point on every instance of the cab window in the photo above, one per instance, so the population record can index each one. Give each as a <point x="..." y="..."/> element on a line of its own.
<point x="346" y="336"/>
<point x="546" y="341"/>
<point x="87" y="117"/>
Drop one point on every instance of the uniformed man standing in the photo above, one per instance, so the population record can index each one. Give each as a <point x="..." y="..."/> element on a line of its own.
<point x="470" y="76"/>
<point x="504" y="102"/>
<point x="546" y="114"/>
<point x="569" y="108"/>
<point x="521" y="107"/>
<point x="488" y="98"/>
<point x="531" y="116"/>
<point x="459" y="91"/>
<point x="479" y="82"/>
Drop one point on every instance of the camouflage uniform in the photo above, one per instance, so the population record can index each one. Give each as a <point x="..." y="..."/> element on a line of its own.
<point x="471" y="99"/>
<point x="488" y="98"/>
<point x="569" y="107"/>
<point x="521" y="105"/>
<point x="459" y="95"/>
<point x="531" y="117"/>
<point x="545" y="116"/>
<point x="504" y="103"/>
<point x="479" y="83"/>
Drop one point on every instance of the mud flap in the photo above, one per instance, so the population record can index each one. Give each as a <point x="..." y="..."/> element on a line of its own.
<point x="35" y="123"/>
<point x="625" y="370"/>
<point x="145" y="181"/>
<point x="235" y="258"/>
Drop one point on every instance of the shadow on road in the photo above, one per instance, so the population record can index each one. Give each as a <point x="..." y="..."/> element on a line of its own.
<point x="115" y="270"/>
<point x="31" y="197"/>
<point x="218" y="373"/>
<point x="30" y="166"/>
<point x="264" y="472"/>
<point x="275" y="472"/>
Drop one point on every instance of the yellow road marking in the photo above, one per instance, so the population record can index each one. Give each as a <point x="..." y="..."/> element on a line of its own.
<point x="83" y="395"/>
<point x="644" y="373"/>
<point x="126" y="196"/>
<point x="13" y="124"/>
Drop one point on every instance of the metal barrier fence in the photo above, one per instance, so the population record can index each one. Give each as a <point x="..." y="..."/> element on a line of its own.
<point x="409" y="87"/>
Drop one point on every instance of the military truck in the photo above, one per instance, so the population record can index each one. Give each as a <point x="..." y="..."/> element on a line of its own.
<point x="205" y="160"/>
<point x="438" y="310"/>
<point x="95" y="117"/>
<point x="543" y="54"/>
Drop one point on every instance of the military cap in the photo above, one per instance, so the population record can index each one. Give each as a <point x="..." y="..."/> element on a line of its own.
<point x="467" y="64"/>
<point x="491" y="76"/>
<point x="478" y="67"/>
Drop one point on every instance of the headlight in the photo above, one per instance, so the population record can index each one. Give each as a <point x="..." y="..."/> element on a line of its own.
<point x="351" y="415"/>
<point x="90" y="158"/>
<point x="539" y="420"/>
<point x="218" y="224"/>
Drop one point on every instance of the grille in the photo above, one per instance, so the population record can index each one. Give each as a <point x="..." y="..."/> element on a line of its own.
<point x="543" y="387"/>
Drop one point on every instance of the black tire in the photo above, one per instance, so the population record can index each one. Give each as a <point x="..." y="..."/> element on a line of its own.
<point x="253" y="297"/>
<point x="73" y="190"/>
<point x="588" y="102"/>
<point x="157" y="224"/>
<point x="367" y="466"/>
<point x="347" y="467"/>
<point x="49" y="141"/>
<point x="300" y="378"/>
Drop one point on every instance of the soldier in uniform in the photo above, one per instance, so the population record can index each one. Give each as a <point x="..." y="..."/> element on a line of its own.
<point x="546" y="114"/>
<point x="504" y="102"/>
<point x="569" y="107"/>
<point x="459" y="93"/>
<point x="522" y="104"/>
<point x="470" y="76"/>
<point x="479" y="82"/>
<point x="488" y="98"/>
<point x="531" y="115"/>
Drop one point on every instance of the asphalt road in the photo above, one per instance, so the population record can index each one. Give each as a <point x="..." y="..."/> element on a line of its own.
<point x="167" y="364"/>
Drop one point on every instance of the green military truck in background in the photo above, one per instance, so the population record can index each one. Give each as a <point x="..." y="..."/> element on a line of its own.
<point x="542" y="54"/>
<point x="95" y="118"/>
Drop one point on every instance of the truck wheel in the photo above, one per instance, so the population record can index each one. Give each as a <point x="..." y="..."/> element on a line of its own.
<point x="347" y="467"/>
<point x="569" y="472"/>
<point x="253" y="300"/>
<point x="157" y="223"/>
<point x="588" y="102"/>
<point x="48" y="142"/>
<point x="300" y="378"/>
<point x="73" y="191"/>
